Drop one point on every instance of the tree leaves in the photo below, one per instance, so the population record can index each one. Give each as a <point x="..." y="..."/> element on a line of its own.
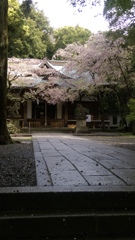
<point x="68" y="35"/>
<point x="28" y="33"/>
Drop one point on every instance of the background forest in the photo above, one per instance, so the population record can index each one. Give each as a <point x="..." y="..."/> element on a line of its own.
<point x="31" y="36"/>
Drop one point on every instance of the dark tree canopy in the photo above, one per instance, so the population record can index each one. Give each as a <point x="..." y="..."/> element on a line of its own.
<point x="120" y="14"/>
<point x="79" y="4"/>
<point x="26" y="7"/>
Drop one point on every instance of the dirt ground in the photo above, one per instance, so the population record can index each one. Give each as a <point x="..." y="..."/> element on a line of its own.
<point x="124" y="141"/>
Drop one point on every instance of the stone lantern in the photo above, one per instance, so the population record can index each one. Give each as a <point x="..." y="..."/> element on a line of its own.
<point x="80" y="114"/>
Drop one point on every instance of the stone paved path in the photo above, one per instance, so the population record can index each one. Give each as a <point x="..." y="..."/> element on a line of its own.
<point x="67" y="160"/>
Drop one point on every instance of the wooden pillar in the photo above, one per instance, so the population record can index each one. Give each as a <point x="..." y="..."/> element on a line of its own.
<point x="29" y="108"/>
<point x="59" y="110"/>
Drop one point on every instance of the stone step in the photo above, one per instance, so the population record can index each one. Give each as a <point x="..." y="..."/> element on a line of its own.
<point x="96" y="224"/>
<point x="39" y="198"/>
<point x="67" y="215"/>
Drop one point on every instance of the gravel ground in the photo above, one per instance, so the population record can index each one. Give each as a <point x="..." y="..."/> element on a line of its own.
<point x="127" y="142"/>
<point x="17" y="163"/>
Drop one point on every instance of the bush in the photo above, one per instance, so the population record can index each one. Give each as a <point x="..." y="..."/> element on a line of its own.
<point x="12" y="128"/>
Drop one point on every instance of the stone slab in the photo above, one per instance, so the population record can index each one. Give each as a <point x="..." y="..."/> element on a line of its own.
<point x="77" y="160"/>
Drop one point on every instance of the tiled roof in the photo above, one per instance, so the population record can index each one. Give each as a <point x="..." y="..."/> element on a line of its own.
<point x="28" y="73"/>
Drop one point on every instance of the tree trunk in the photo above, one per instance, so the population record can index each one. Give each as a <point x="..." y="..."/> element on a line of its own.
<point x="4" y="135"/>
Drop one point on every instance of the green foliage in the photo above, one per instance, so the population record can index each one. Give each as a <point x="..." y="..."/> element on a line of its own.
<point x="15" y="28"/>
<point x="120" y="6"/>
<point x="28" y="31"/>
<point x="115" y="9"/>
<point x="12" y="129"/>
<point x="120" y="15"/>
<point x="26" y="7"/>
<point x="131" y="105"/>
<point x="67" y="35"/>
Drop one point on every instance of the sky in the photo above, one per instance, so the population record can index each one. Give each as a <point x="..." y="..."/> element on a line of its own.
<point x="60" y="13"/>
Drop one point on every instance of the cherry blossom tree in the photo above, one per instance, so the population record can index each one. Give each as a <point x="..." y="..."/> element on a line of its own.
<point x="111" y="63"/>
<point x="108" y="62"/>
<point x="54" y="90"/>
